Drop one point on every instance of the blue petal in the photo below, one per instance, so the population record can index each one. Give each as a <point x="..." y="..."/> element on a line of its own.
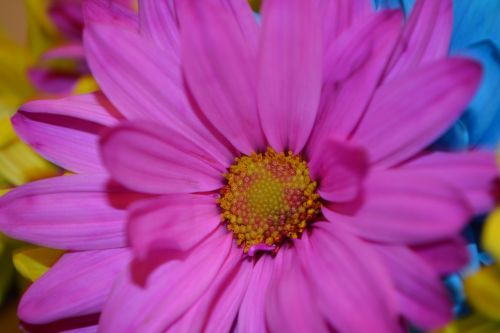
<point x="455" y="139"/>
<point x="392" y="4"/>
<point x="475" y="20"/>
<point x="482" y="117"/>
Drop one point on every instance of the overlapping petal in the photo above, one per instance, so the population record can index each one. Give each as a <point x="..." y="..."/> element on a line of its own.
<point x="289" y="67"/>
<point x="80" y="212"/>
<point x="77" y="285"/>
<point x="150" y="158"/>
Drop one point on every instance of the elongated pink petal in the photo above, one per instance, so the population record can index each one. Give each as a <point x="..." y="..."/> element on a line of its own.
<point x="158" y="22"/>
<point x="70" y="51"/>
<point x="446" y="256"/>
<point x="145" y="83"/>
<point x="223" y="81"/>
<point x="251" y="317"/>
<point x="65" y="131"/>
<point x="474" y="172"/>
<point x="339" y="15"/>
<point x="217" y="309"/>
<point x="347" y="278"/>
<point x="149" y="158"/>
<point x="340" y="169"/>
<point x="403" y="208"/>
<point x="290" y="304"/>
<point x="170" y="291"/>
<point x="290" y="67"/>
<point x="80" y="212"/>
<point x="444" y="89"/>
<point x="173" y="222"/>
<point x="77" y="285"/>
<point x="352" y="72"/>
<point x="110" y="12"/>
<point x="426" y="36"/>
<point x="422" y="297"/>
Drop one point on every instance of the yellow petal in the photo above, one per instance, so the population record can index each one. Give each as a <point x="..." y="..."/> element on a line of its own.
<point x="475" y="323"/>
<point x="85" y="84"/>
<point x="42" y="33"/>
<point x="15" y="87"/>
<point x="255" y="4"/>
<point x="483" y="291"/>
<point x="19" y="164"/>
<point x="33" y="263"/>
<point x="491" y="234"/>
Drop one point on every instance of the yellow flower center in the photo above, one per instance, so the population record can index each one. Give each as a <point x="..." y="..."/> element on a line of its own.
<point x="269" y="197"/>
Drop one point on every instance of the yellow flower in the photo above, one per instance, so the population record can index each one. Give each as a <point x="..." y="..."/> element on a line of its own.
<point x="483" y="287"/>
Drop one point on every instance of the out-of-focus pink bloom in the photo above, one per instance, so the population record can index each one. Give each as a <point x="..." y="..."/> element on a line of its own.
<point x="189" y="87"/>
<point x="61" y="67"/>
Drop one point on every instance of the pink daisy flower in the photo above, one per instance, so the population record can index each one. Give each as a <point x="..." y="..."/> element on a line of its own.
<point x="265" y="178"/>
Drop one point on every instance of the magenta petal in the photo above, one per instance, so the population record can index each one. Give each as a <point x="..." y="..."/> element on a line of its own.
<point x="438" y="92"/>
<point x="251" y="317"/>
<point x="402" y="207"/>
<point x="172" y="222"/>
<point x="348" y="279"/>
<point x="426" y="36"/>
<point x="290" y="305"/>
<point x="352" y="72"/>
<point x="339" y="15"/>
<point x="223" y="80"/>
<point x="290" y="71"/>
<point x="170" y="291"/>
<point x="474" y="172"/>
<point x="77" y="285"/>
<point x="340" y="169"/>
<point x="113" y="12"/>
<point x="80" y="212"/>
<point x="65" y="131"/>
<point x="149" y="158"/>
<point x="158" y="22"/>
<point x="446" y="256"/>
<point x="422" y="297"/>
<point x="145" y="83"/>
<point x="217" y="309"/>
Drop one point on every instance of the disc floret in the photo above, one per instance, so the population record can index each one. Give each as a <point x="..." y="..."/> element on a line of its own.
<point x="268" y="198"/>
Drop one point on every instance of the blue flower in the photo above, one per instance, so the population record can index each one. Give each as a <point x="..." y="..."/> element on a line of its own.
<point x="476" y="33"/>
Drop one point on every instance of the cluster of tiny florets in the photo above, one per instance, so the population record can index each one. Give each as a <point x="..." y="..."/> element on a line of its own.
<point x="268" y="197"/>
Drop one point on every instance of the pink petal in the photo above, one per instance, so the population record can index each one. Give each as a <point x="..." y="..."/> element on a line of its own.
<point x="402" y="208"/>
<point x="145" y="83"/>
<point x="446" y="256"/>
<point x="426" y="36"/>
<point x="70" y="51"/>
<point x="352" y="72"/>
<point x="223" y="80"/>
<point x="348" y="279"/>
<point x="158" y="22"/>
<point x="422" y="297"/>
<point x="290" y="305"/>
<point x="438" y="92"/>
<point x="475" y="173"/>
<point x="77" y="285"/>
<point x="339" y="15"/>
<point x="251" y="317"/>
<point x="79" y="212"/>
<point x="112" y="12"/>
<point x="173" y="222"/>
<point x="217" y="309"/>
<point x="65" y="131"/>
<point x="170" y="290"/>
<point x="340" y="169"/>
<point x="290" y="70"/>
<point x="149" y="158"/>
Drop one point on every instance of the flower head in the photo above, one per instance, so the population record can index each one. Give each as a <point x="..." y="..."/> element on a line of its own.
<point x="257" y="178"/>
